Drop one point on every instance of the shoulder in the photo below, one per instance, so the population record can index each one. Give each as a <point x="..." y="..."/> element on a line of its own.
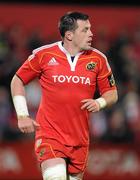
<point x="45" y="48"/>
<point x="38" y="53"/>
<point x="101" y="57"/>
<point x="96" y="52"/>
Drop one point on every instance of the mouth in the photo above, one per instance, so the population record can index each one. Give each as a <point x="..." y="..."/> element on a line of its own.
<point x="89" y="42"/>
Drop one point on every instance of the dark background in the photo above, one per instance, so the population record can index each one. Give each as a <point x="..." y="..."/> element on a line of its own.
<point x="95" y="2"/>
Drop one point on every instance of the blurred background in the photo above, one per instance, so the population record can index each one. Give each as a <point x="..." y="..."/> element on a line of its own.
<point x="115" y="132"/>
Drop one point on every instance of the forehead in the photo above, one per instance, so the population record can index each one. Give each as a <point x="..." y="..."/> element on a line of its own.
<point x="83" y="23"/>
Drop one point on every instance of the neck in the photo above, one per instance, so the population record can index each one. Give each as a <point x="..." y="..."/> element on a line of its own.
<point x="71" y="48"/>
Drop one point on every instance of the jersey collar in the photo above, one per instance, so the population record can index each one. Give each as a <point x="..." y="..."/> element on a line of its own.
<point x="71" y="63"/>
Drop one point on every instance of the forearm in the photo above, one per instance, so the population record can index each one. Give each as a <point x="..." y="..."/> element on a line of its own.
<point x="110" y="97"/>
<point x="25" y="123"/>
<point x="18" y="95"/>
<point x="95" y="105"/>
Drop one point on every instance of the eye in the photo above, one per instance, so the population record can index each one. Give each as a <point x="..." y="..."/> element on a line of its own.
<point x="85" y="29"/>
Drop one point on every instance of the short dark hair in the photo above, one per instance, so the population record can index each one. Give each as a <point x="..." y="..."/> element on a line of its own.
<point x="68" y="22"/>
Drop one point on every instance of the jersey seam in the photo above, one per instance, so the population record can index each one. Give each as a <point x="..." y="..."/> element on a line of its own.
<point x="50" y="54"/>
<point x="104" y="75"/>
<point x="33" y="68"/>
<point x="90" y="57"/>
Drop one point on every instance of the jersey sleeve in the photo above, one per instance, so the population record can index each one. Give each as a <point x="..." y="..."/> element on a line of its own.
<point x="105" y="78"/>
<point x="30" y="69"/>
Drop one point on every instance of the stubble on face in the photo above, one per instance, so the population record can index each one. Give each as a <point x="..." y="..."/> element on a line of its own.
<point x="83" y="35"/>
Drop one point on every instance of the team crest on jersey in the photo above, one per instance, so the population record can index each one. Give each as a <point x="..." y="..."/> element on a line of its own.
<point x="90" y="66"/>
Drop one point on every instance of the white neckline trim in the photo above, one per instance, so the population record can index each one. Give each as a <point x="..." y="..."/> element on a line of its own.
<point x="71" y="63"/>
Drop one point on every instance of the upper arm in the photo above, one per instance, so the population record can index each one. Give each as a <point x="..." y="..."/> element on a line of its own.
<point x="105" y="78"/>
<point x="30" y="69"/>
<point x="17" y="86"/>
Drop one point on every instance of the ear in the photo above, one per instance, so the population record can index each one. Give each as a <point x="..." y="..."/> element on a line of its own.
<point x="69" y="35"/>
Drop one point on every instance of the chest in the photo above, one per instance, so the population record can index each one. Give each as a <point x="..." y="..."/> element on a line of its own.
<point x="64" y="70"/>
<point x="68" y="65"/>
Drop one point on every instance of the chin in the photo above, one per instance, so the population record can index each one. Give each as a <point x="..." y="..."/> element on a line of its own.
<point x="87" y="48"/>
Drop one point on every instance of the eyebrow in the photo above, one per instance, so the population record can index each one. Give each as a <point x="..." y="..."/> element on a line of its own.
<point x="87" y="27"/>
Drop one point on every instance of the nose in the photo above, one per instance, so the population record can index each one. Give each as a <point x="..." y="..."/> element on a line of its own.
<point x="91" y="34"/>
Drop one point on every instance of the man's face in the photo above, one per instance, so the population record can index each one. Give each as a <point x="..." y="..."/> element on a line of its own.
<point x="82" y="36"/>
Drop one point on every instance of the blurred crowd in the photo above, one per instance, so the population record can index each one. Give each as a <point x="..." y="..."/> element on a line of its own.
<point x="118" y="124"/>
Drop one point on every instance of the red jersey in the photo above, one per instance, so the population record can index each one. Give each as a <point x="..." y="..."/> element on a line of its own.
<point x="65" y="83"/>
